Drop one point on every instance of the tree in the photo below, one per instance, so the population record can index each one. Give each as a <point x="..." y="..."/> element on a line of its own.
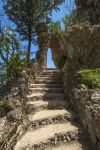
<point x="9" y="54"/>
<point x="27" y="14"/>
<point x="70" y="18"/>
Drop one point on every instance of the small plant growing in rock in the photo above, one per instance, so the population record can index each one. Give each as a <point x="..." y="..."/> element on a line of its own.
<point x="3" y="104"/>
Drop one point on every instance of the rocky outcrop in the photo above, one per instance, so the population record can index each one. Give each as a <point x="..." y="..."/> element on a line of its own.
<point x="81" y="47"/>
<point x="88" y="10"/>
<point x="87" y="103"/>
<point x="81" y="44"/>
<point x="12" y="117"/>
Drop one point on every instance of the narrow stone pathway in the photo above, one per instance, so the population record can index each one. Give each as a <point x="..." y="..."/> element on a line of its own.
<point x="51" y="124"/>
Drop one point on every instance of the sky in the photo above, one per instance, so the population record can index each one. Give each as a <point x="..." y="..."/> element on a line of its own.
<point x="56" y="16"/>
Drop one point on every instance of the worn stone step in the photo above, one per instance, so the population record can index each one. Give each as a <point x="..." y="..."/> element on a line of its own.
<point x="49" y="81"/>
<point x="53" y="73"/>
<point x="45" y="96"/>
<point x="44" y="114"/>
<point x="47" y="136"/>
<point x="52" y="70"/>
<point x="46" y="85"/>
<point x="49" y="78"/>
<point x="44" y="90"/>
<point x="74" y="145"/>
<point x="47" y="104"/>
<point x="45" y="117"/>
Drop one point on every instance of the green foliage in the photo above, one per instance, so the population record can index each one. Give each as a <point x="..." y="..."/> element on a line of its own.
<point x="3" y="104"/>
<point x="60" y="61"/>
<point x="70" y="20"/>
<point x="9" y="45"/>
<point x="56" y="30"/>
<point x="90" y="77"/>
<point x="11" y="55"/>
<point x="15" y="66"/>
<point x="27" y="14"/>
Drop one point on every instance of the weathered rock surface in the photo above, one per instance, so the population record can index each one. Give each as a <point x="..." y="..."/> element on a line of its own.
<point x="11" y="116"/>
<point x="87" y="102"/>
<point x="88" y="10"/>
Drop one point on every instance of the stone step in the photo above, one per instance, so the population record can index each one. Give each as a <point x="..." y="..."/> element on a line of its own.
<point x="49" y="78"/>
<point x="45" y="114"/>
<point x="52" y="73"/>
<point x="49" y="90"/>
<point x="53" y="76"/>
<point x="49" y="81"/>
<point x="47" y="104"/>
<point x="45" y="96"/>
<point x="45" y="117"/>
<point x="47" y="136"/>
<point x="52" y="70"/>
<point x="74" y="145"/>
<point x="46" y="85"/>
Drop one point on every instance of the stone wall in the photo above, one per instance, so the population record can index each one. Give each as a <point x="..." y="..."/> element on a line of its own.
<point x="88" y="10"/>
<point x="11" y="120"/>
<point x="81" y="47"/>
<point x="87" y="103"/>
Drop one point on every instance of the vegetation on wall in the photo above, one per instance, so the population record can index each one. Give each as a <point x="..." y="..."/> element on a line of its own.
<point x="60" y="61"/>
<point x="90" y="77"/>
<point x="3" y="104"/>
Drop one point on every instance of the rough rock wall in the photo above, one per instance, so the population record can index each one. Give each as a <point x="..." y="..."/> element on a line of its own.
<point x="81" y="46"/>
<point x="12" y="120"/>
<point x="88" y="10"/>
<point x="87" y="103"/>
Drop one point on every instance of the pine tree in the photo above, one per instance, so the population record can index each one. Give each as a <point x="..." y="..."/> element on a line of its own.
<point x="27" y="14"/>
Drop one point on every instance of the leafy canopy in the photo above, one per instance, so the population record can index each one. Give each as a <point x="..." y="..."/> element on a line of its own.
<point x="28" y="14"/>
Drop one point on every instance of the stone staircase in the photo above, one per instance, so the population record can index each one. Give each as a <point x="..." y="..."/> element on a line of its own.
<point x="50" y="124"/>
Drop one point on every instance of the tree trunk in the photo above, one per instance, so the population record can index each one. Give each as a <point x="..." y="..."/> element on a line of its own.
<point x="28" y="52"/>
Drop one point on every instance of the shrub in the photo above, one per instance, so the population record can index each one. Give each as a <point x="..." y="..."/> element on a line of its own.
<point x="3" y="104"/>
<point x="90" y="77"/>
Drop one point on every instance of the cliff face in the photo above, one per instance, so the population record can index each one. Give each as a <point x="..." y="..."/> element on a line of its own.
<point x="88" y="10"/>
<point x="82" y="44"/>
<point x="81" y="47"/>
<point x="87" y="103"/>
